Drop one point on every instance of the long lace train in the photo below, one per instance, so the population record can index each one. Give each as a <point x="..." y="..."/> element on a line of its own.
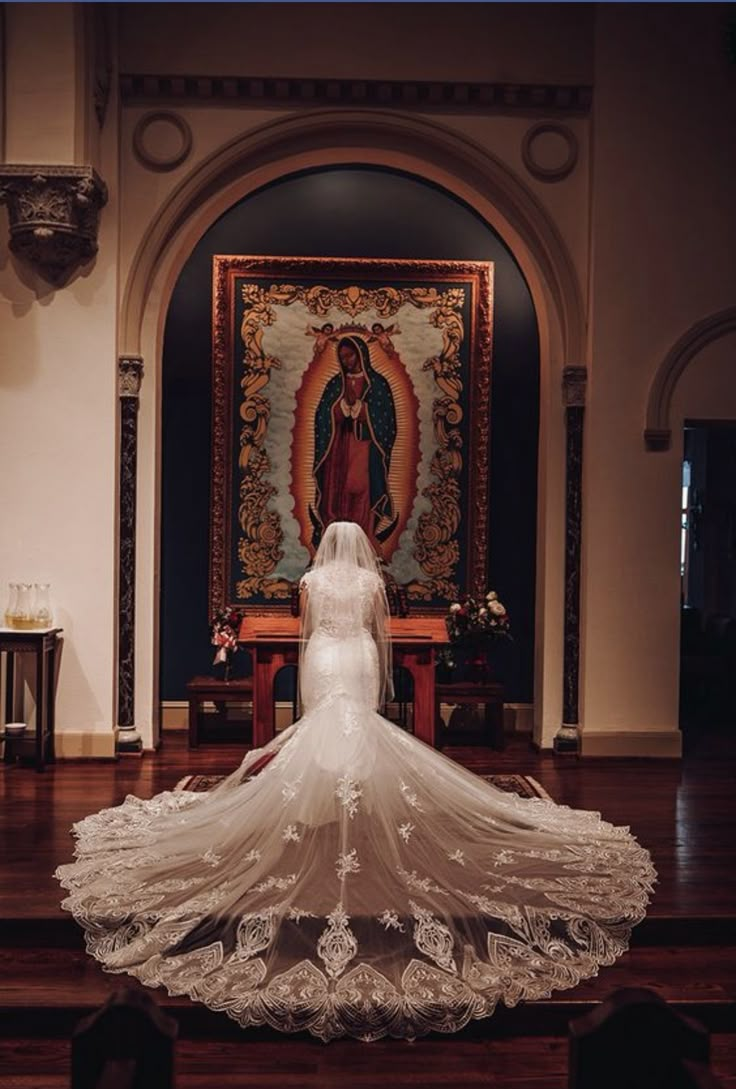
<point x="361" y="884"/>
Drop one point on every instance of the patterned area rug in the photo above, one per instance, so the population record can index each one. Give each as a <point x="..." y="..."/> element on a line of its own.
<point x="523" y="785"/>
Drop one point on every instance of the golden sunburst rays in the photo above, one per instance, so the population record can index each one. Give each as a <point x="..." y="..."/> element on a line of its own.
<point x="402" y="476"/>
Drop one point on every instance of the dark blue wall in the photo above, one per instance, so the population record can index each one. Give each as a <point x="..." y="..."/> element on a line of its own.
<point x="351" y="212"/>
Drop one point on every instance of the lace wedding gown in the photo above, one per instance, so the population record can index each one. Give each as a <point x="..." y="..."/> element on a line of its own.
<point x="361" y="884"/>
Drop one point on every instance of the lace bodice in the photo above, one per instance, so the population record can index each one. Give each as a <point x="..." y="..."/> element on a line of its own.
<point x="342" y="600"/>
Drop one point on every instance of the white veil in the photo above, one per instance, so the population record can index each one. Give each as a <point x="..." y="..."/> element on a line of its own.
<point x="346" y="543"/>
<point x="346" y="550"/>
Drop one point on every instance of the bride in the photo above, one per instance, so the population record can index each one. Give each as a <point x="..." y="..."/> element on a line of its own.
<point x="361" y="884"/>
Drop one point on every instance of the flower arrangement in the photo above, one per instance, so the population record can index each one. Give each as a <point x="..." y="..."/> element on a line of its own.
<point x="471" y="621"/>
<point x="471" y="617"/>
<point x="224" y="635"/>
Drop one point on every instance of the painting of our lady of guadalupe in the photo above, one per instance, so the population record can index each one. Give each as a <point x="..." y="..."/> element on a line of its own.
<point x="356" y="440"/>
<point x="349" y="391"/>
<point x="354" y="437"/>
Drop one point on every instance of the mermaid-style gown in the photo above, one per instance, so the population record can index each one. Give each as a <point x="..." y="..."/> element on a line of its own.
<point x="361" y="884"/>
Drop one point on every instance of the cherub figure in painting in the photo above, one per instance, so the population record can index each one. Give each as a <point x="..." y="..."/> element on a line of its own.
<point x="322" y="335"/>
<point x="383" y="336"/>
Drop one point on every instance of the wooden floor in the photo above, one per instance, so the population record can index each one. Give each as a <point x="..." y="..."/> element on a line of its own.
<point x="684" y="812"/>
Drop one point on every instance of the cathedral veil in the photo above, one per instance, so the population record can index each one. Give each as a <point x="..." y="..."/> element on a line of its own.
<point x="361" y="883"/>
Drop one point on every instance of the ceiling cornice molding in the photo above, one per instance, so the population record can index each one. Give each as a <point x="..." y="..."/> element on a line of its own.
<point x="440" y="96"/>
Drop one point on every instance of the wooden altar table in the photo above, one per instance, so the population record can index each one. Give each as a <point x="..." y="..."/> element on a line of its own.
<point x="273" y="643"/>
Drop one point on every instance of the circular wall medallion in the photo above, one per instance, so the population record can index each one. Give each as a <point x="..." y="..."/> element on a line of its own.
<point x="162" y="140"/>
<point x="549" y="151"/>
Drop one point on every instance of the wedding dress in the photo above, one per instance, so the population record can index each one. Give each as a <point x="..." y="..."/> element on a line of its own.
<point x="361" y="883"/>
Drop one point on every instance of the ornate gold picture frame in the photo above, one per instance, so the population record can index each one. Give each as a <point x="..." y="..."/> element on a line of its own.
<point x="355" y="389"/>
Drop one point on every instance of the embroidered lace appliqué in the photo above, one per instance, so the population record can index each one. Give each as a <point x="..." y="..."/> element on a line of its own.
<point x="410" y="795"/>
<point x="433" y="938"/>
<point x="337" y="945"/>
<point x="255" y="933"/>
<point x="420" y="884"/>
<point x="347" y="863"/>
<point x="390" y="920"/>
<point x="290" y="790"/>
<point x="349" y="794"/>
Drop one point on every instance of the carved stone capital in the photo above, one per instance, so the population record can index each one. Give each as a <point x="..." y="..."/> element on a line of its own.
<point x="54" y="214"/>
<point x="130" y="375"/>
<point x="574" y="381"/>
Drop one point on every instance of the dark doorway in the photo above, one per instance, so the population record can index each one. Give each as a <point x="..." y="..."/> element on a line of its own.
<point x="708" y="572"/>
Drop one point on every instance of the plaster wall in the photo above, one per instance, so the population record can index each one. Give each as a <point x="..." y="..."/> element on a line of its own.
<point x="534" y="44"/>
<point x="663" y="175"/>
<point x="58" y="394"/>
<point x="706" y="391"/>
<point x="42" y="123"/>
<point x="58" y="402"/>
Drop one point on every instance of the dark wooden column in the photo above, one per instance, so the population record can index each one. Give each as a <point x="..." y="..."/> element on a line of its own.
<point x="130" y="374"/>
<point x="567" y="738"/>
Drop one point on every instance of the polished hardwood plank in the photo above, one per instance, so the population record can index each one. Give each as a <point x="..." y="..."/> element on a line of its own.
<point x="684" y="812"/>
<point x="537" y="1063"/>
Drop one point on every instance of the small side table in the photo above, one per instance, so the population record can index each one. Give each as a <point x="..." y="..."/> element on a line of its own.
<point x="43" y="644"/>
<point x="489" y="693"/>
<point x="220" y="692"/>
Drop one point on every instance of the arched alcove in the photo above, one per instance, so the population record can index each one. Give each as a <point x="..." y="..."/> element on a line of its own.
<point x="658" y="432"/>
<point x="409" y="145"/>
<point x="389" y="139"/>
<point x="357" y="212"/>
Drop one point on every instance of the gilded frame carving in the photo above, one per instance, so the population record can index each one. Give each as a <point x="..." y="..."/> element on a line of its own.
<point x="438" y="372"/>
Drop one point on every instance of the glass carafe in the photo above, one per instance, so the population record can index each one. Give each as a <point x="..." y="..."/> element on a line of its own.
<point x="24" y="608"/>
<point x="42" y="615"/>
<point x="11" y="609"/>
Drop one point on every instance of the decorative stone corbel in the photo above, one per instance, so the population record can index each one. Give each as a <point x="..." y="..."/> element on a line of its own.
<point x="54" y="214"/>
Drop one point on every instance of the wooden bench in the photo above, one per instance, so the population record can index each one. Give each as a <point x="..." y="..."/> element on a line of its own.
<point x="200" y="690"/>
<point x="464" y="693"/>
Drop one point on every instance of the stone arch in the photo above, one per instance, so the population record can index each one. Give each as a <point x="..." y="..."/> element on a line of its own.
<point x="415" y="146"/>
<point x="393" y="140"/>
<point x="658" y="433"/>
